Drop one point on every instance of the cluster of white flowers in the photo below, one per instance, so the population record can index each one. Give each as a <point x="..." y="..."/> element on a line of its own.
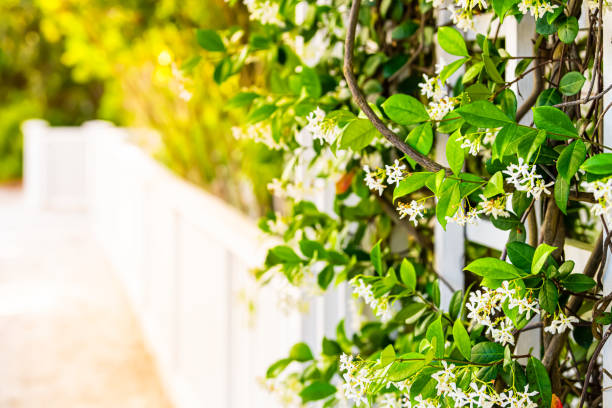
<point x="266" y="12"/>
<point x="320" y="128"/>
<point x="594" y="4"/>
<point x="462" y="11"/>
<point x="356" y="380"/>
<point x="536" y="8"/>
<point x="380" y="306"/>
<point x="561" y="324"/>
<point x="462" y="218"/>
<point x="259" y="133"/>
<point x="296" y="191"/>
<point x="441" y="103"/>
<point x="485" y="308"/>
<point x="495" y="206"/>
<point x="602" y="192"/>
<point x="483" y="396"/>
<point x="473" y="146"/>
<point x="412" y="210"/>
<point x="525" y="178"/>
<point x="395" y="172"/>
<point x="375" y="179"/>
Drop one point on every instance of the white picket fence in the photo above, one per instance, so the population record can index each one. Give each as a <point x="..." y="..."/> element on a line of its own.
<point x="184" y="256"/>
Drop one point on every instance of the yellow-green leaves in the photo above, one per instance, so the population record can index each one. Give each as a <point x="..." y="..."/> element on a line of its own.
<point x="570" y="159"/>
<point x="300" y="352"/>
<point x="568" y="30"/>
<point x="421" y="138"/>
<point x="317" y="391"/>
<point x="452" y="41"/>
<point x="405" y="109"/>
<point x="495" y="185"/>
<point x="454" y="153"/>
<point x="558" y="125"/>
<point x="540" y="256"/>
<point x="483" y="114"/>
<point x="209" y="40"/>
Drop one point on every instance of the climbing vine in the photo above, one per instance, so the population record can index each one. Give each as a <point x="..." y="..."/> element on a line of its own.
<point x="352" y="96"/>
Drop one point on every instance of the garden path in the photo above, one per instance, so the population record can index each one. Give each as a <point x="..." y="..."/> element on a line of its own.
<point x="67" y="336"/>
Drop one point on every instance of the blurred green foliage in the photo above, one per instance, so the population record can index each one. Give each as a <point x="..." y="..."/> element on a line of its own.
<point x="68" y="61"/>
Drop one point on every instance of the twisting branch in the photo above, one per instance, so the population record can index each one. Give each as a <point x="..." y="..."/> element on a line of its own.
<point x="361" y="101"/>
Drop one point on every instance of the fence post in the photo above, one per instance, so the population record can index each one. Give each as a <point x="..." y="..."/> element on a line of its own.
<point x="607" y="141"/>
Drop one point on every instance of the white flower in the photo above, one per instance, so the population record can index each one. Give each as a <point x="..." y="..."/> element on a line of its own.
<point x="462" y="218"/>
<point x="484" y="400"/>
<point x="495" y="207"/>
<point x="412" y="210"/>
<point x="538" y="188"/>
<point x="444" y="378"/>
<point x="473" y="146"/>
<point x="395" y="173"/>
<point x="503" y="335"/>
<point x="372" y="181"/>
<point x="561" y="324"/>
<point x="525" y="178"/>
<point x="438" y="109"/>
<point x="320" y="128"/>
<point x="602" y="192"/>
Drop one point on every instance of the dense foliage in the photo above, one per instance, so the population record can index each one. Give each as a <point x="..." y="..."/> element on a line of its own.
<point x="127" y="61"/>
<point x="348" y="92"/>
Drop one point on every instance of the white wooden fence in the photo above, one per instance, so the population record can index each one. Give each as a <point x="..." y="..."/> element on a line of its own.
<point x="184" y="256"/>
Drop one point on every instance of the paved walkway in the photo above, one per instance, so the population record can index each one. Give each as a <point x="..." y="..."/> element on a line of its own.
<point x="67" y="336"/>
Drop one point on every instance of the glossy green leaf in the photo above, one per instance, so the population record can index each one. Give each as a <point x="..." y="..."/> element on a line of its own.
<point x="358" y="134"/>
<point x="408" y="274"/>
<point x="493" y="268"/>
<point x="487" y="352"/>
<point x="540" y="256"/>
<point x="300" y="352"/>
<point x="600" y="164"/>
<point x="571" y="83"/>
<point x="561" y="193"/>
<point x="483" y="114"/>
<point x="411" y="183"/>
<point x="568" y="30"/>
<point x="570" y="159"/>
<point x="462" y="339"/>
<point x="452" y="41"/>
<point x="520" y="254"/>
<point x="316" y="391"/>
<point x="495" y="185"/>
<point x="549" y="296"/>
<point x="421" y="138"/>
<point x="538" y="378"/>
<point x="555" y="122"/>
<point x="209" y="40"/>
<point x="578" y="283"/>
<point x="454" y="153"/>
<point x="405" y="109"/>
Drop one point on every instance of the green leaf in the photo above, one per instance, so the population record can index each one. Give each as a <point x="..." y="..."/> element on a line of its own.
<point x="478" y="92"/>
<point x="483" y="114"/>
<point x="317" y="391"/>
<point x="462" y="339"/>
<point x="535" y="144"/>
<point x="451" y="68"/>
<point x="599" y="164"/>
<point x="492" y="70"/>
<point x="571" y="83"/>
<point x="405" y="109"/>
<point x="549" y="97"/>
<point x="487" y="352"/>
<point x="278" y="367"/>
<point x="404" y="30"/>
<point x="387" y="356"/>
<point x="410" y="184"/>
<point x="435" y="331"/>
<point x="501" y="7"/>
<point x="570" y="159"/>
<point x="495" y="185"/>
<point x="454" y="153"/>
<point x="300" y="352"/>
<point x="285" y="254"/>
<point x="540" y="256"/>
<point x="472" y="72"/>
<point x="325" y="277"/>
<point x="421" y="138"/>
<point x="493" y="268"/>
<point x="330" y="347"/>
<point x="447" y="204"/>
<point x="577" y="282"/>
<point x="408" y="274"/>
<point x="241" y="99"/>
<point x="555" y="122"/>
<point x="561" y="193"/>
<point x="452" y="41"/>
<point x="209" y="40"/>
<point x="400" y="370"/>
<point x="358" y="134"/>
<point x="549" y="297"/>
<point x="261" y="113"/>
<point x="376" y="258"/>
<point x="568" y="30"/>
<point x="520" y="254"/>
<point x="538" y="377"/>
